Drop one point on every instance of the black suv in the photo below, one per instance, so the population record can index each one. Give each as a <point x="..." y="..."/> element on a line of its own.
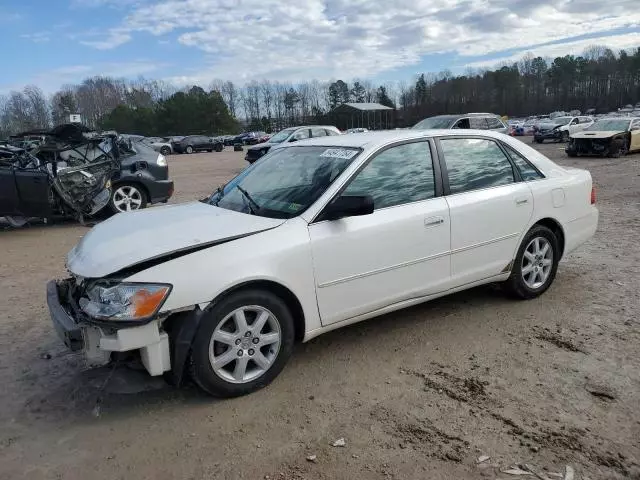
<point x="197" y="143"/>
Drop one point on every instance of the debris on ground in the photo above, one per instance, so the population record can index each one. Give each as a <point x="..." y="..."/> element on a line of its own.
<point x="45" y="356"/>
<point x="516" y="471"/>
<point x="600" y="391"/>
<point x="339" y="443"/>
<point x="312" y="458"/>
<point x="483" y="458"/>
<point x="568" y="473"/>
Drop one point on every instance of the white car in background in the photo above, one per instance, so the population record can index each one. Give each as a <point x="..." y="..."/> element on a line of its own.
<point x="560" y="128"/>
<point x="163" y="145"/>
<point x="315" y="236"/>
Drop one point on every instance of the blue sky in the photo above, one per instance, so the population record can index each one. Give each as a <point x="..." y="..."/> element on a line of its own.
<point x="50" y="43"/>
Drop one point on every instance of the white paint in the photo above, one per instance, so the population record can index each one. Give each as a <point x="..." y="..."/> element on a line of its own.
<point x="341" y="271"/>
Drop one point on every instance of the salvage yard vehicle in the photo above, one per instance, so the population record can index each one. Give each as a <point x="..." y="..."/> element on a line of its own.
<point x="289" y="135"/>
<point x="560" y="128"/>
<point x="196" y="143"/>
<point x="476" y="121"/>
<point x="143" y="179"/>
<point x="613" y="137"/>
<point x="316" y="236"/>
<point x="68" y="175"/>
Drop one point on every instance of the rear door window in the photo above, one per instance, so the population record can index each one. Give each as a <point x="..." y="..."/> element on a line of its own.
<point x="318" y="132"/>
<point x="474" y="164"/>
<point x="527" y="171"/>
<point x="479" y="123"/>
<point x="494" y="123"/>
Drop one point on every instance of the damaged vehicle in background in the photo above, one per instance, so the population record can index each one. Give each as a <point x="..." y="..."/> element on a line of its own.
<point x="613" y="137"/>
<point x="68" y="175"/>
<point x="559" y="128"/>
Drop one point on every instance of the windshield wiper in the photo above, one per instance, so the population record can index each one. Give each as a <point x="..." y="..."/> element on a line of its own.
<point x="254" y="207"/>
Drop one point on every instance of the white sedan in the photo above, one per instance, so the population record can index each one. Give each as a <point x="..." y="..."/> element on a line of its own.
<point x="313" y="237"/>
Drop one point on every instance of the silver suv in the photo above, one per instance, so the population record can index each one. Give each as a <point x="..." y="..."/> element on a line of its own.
<point x="283" y="137"/>
<point x="476" y="121"/>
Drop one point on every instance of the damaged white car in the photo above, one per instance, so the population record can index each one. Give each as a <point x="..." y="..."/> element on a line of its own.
<point x="313" y="237"/>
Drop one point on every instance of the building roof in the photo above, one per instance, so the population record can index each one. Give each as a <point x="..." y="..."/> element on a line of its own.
<point x="366" y="106"/>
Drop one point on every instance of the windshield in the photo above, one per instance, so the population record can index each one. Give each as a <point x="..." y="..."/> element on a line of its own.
<point x="610" y="125"/>
<point x="281" y="136"/>
<point x="561" y="120"/>
<point x="284" y="183"/>
<point x="433" y="122"/>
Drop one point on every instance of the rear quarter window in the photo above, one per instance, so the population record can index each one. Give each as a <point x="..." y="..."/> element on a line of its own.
<point x="527" y="171"/>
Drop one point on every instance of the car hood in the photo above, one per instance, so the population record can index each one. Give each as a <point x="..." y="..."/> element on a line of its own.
<point x="596" y="134"/>
<point x="128" y="239"/>
<point x="548" y="126"/>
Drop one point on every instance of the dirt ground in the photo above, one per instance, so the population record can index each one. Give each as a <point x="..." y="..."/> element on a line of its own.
<point x="417" y="394"/>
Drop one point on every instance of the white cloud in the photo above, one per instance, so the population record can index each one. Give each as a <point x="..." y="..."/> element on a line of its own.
<point x="53" y="79"/>
<point x="115" y="38"/>
<point x="37" y="37"/>
<point x="350" y="38"/>
<point x="615" y="42"/>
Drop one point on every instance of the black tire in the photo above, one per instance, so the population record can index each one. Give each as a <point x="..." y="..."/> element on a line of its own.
<point x="143" y="196"/>
<point x="219" y="147"/>
<point x="515" y="285"/>
<point x="538" y="140"/>
<point x="165" y="151"/>
<point x="565" y="137"/>
<point x="572" y="153"/>
<point x="189" y="149"/>
<point x="200" y="366"/>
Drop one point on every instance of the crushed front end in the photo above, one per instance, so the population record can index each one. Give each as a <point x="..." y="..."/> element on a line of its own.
<point x="101" y="336"/>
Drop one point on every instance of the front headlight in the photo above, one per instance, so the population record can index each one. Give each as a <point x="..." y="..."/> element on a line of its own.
<point x="124" y="301"/>
<point x="161" y="161"/>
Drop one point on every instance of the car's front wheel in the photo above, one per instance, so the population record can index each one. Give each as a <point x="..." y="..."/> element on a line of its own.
<point x="127" y="197"/>
<point x="165" y="150"/>
<point x="242" y="343"/>
<point x="189" y="149"/>
<point x="535" y="265"/>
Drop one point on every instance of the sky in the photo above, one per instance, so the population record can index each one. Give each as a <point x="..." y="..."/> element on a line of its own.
<point x="50" y="43"/>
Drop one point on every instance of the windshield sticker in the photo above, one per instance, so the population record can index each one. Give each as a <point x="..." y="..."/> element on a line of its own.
<point x="339" y="153"/>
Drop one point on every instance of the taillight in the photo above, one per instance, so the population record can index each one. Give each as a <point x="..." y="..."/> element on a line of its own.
<point x="593" y="195"/>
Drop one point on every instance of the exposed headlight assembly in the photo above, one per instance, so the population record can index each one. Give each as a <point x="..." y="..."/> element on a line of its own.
<point x="124" y="301"/>
<point x="161" y="160"/>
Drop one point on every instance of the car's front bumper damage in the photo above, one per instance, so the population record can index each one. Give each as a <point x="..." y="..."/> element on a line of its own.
<point x="98" y="342"/>
<point x="555" y="134"/>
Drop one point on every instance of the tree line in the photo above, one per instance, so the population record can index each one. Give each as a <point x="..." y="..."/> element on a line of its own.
<point x="599" y="78"/>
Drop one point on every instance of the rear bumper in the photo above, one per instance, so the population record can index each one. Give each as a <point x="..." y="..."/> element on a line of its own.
<point x="160" y="190"/>
<point x="581" y="229"/>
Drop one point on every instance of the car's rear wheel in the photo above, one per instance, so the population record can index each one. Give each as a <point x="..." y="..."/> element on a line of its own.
<point x="535" y="265"/>
<point x="219" y="147"/>
<point x="127" y="197"/>
<point x="242" y="343"/>
<point x="165" y="150"/>
<point x="189" y="149"/>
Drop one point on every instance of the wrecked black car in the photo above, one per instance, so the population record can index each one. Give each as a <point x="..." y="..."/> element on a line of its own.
<point x="607" y="137"/>
<point x="67" y="175"/>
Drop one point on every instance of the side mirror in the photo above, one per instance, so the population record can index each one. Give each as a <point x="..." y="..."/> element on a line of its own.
<point x="293" y="139"/>
<point x="348" y="206"/>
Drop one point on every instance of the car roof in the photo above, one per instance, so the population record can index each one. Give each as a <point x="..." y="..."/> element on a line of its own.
<point x="382" y="137"/>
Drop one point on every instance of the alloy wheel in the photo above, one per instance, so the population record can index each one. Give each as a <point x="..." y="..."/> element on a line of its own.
<point x="245" y="344"/>
<point x="127" y="198"/>
<point x="537" y="262"/>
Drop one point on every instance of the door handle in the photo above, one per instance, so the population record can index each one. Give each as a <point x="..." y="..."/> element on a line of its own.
<point x="432" y="221"/>
<point x="521" y="201"/>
